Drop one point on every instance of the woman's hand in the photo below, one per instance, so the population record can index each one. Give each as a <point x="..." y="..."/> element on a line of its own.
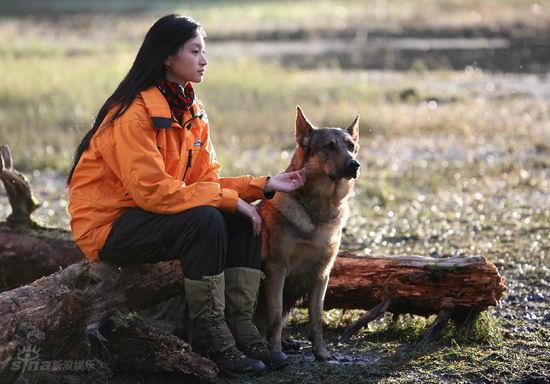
<point x="250" y="211"/>
<point x="286" y="182"/>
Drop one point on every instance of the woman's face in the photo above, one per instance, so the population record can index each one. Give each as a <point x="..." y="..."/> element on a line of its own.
<point x="188" y="64"/>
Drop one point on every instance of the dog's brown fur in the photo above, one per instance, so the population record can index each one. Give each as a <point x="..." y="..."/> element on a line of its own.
<point x="301" y="231"/>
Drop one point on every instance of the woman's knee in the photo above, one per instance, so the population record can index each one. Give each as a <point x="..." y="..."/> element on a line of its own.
<point x="202" y="221"/>
<point x="209" y="219"/>
<point x="203" y="250"/>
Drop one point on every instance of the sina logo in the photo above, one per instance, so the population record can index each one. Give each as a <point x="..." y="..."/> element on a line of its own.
<point x="197" y="143"/>
<point x="26" y="359"/>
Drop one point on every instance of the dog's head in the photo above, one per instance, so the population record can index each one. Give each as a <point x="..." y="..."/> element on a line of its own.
<point x="331" y="151"/>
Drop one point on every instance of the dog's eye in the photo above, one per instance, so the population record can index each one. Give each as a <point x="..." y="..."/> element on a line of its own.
<point x="329" y="146"/>
<point x="351" y="146"/>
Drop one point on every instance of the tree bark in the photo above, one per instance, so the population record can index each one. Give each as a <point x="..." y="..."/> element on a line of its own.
<point x="452" y="287"/>
<point x="415" y="284"/>
<point x="43" y="252"/>
<point x="66" y="312"/>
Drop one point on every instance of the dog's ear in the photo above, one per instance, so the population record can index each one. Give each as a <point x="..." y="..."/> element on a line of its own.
<point x="304" y="128"/>
<point x="353" y="129"/>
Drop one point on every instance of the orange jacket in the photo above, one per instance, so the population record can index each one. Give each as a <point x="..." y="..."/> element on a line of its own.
<point x="146" y="159"/>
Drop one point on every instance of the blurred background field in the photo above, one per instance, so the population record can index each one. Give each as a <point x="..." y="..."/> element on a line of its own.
<point x="455" y="138"/>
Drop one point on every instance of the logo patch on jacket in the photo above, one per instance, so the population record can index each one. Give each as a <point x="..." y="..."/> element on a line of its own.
<point x="197" y="143"/>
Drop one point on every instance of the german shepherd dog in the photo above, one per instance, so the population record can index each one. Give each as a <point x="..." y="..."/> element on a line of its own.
<point x="301" y="231"/>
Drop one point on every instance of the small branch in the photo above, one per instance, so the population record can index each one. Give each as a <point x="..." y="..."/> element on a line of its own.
<point x="439" y="323"/>
<point x="371" y="315"/>
<point x="18" y="190"/>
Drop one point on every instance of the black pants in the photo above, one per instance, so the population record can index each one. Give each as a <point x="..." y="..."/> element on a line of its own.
<point x="205" y="239"/>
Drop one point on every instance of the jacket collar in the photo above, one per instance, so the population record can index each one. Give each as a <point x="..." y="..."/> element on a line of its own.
<point x="158" y="108"/>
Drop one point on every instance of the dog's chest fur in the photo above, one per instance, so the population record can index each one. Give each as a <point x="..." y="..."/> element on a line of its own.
<point x="313" y="222"/>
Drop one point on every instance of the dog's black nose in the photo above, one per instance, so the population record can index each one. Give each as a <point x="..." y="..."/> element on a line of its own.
<point x="353" y="164"/>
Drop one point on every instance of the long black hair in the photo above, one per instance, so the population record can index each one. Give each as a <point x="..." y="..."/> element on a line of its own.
<point x="163" y="39"/>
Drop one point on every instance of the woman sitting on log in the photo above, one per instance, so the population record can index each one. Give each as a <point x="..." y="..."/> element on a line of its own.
<point x="144" y="187"/>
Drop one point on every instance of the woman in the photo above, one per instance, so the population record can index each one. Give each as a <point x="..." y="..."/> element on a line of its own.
<point x="145" y="187"/>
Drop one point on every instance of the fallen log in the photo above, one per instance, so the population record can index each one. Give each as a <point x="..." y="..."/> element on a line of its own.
<point x="449" y="287"/>
<point x="76" y="300"/>
<point x="413" y="284"/>
<point x="65" y="313"/>
<point x="41" y="251"/>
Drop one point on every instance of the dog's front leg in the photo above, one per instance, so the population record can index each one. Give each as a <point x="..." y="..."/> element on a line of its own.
<point x="274" y="285"/>
<point x="316" y="300"/>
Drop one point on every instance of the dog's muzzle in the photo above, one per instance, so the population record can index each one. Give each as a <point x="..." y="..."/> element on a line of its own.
<point x="352" y="167"/>
<point x="349" y="172"/>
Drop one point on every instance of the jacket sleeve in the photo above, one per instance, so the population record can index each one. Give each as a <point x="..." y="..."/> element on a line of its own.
<point x="145" y="179"/>
<point x="249" y="188"/>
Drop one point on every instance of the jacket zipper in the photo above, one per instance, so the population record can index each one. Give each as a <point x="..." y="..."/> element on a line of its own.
<point x="187" y="125"/>
<point x="189" y="160"/>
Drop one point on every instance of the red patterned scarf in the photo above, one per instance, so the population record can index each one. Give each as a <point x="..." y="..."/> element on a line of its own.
<point x="179" y="98"/>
